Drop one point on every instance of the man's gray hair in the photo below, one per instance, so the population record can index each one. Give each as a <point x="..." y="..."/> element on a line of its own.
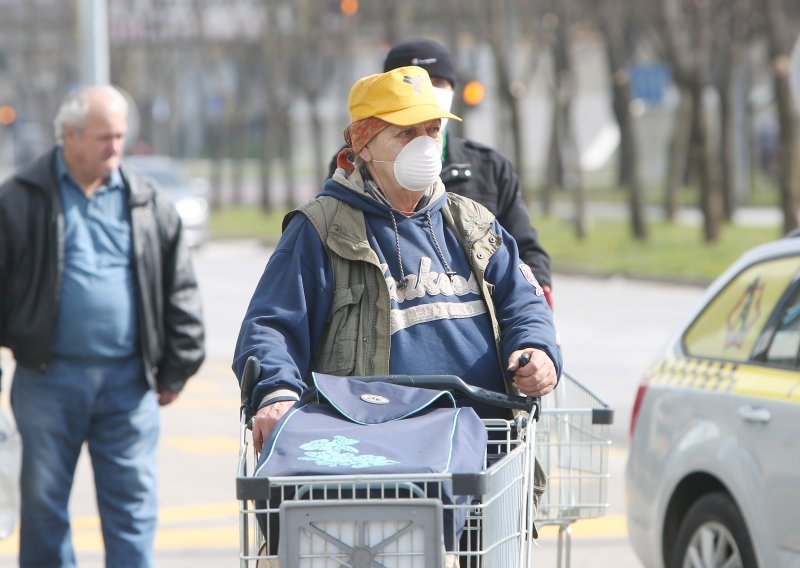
<point x="73" y="111"/>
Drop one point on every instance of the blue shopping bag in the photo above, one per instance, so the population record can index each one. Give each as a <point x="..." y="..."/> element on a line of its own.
<point x="357" y="427"/>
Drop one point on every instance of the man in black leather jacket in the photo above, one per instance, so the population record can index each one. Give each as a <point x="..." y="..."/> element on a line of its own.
<point x="472" y="169"/>
<point x="100" y="307"/>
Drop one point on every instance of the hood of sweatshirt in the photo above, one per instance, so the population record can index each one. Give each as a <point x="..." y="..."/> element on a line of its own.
<point x="352" y="189"/>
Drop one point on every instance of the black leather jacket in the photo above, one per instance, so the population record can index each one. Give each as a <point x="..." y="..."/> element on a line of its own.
<point x="486" y="176"/>
<point x="32" y="262"/>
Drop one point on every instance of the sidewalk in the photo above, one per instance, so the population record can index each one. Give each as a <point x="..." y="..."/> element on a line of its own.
<point x="691" y="216"/>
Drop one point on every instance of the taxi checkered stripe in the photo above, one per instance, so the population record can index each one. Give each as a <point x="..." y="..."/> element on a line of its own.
<point x="694" y="373"/>
<point x="756" y="381"/>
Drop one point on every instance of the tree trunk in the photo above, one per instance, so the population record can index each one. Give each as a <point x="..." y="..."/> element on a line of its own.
<point x="567" y="146"/>
<point x="265" y="168"/>
<point x="286" y="153"/>
<point x="237" y="158"/>
<point x="678" y="46"/>
<point x="733" y="22"/>
<point x="621" y="101"/>
<point x="498" y="16"/>
<point x="214" y="138"/>
<point x="554" y="177"/>
<point x="320" y="158"/>
<point x="787" y="150"/>
<point x="727" y="140"/>
<point x="707" y="161"/>
<point x="563" y="164"/>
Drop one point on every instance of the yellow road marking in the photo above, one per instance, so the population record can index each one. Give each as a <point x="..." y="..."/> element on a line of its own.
<point x="197" y="538"/>
<point x="203" y="445"/>
<point x="219" y="369"/>
<point x="218" y="528"/>
<point x="229" y="405"/>
<point x="215" y="526"/>
<point x="203" y="512"/>
<point x="609" y="526"/>
<point x="200" y="538"/>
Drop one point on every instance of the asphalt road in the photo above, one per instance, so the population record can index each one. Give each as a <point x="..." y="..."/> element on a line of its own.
<point x="610" y="330"/>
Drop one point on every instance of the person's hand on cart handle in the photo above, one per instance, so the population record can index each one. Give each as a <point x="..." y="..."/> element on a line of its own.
<point x="534" y="372"/>
<point x="266" y="418"/>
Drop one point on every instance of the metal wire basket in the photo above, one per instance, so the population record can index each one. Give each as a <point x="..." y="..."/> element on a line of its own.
<point x="328" y="521"/>
<point x="481" y="519"/>
<point x="572" y="444"/>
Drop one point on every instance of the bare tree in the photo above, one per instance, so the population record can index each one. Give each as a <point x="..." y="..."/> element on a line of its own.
<point x="563" y="164"/>
<point x="457" y="18"/>
<point x="396" y="17"/>
<point x="616" y="20"/>
<point x="734" y="24"/>
<point x="688" y="36"/>
<point x="34" y="36"/>
<point x="214" y="109"/>
<point x="677" y="52"/>
<point x="504" y="42"/>
<point x="247" y="58"/>
<point x="277" y="46"/>
<point x="296" y="55"/>
<point x="779" y="49"/>
<point x="316" y="65"/>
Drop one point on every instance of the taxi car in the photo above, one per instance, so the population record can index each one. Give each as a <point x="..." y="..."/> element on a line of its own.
<point x="713" y="475"/>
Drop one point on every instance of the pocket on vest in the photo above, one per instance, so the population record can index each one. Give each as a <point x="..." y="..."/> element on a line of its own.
<point x="337" y="351"/>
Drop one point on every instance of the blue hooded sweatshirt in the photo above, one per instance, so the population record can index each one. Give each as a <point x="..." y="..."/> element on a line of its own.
<point x="439" y="325"/>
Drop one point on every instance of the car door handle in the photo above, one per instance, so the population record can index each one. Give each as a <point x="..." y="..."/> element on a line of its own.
<point x="755" y="414"/>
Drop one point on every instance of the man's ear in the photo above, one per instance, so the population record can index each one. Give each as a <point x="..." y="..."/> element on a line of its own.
<point x="70" y="132"/>
<point x="365" y="154"/>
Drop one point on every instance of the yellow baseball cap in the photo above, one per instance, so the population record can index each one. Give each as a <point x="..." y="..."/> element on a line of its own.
<point x="402" y="96"/>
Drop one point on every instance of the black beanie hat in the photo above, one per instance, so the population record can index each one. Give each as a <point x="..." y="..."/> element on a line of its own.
<point x="430" y="55"/>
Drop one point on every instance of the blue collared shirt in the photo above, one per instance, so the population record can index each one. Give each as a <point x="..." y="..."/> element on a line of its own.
<point x="97" y="312"/>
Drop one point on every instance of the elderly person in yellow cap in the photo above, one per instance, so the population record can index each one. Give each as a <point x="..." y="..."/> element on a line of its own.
<point x="386" y="273"/>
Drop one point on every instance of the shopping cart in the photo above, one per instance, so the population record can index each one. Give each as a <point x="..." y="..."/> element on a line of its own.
<point x="394" y="520"/>
<point x="572" y="442"/>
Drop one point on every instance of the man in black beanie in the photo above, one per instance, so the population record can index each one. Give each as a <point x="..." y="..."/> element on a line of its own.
<point x="470" y="168"/>
<point x="425" y="53"/>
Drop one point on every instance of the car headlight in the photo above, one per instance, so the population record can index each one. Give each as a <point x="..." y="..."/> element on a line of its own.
<point x="192" y="211"/>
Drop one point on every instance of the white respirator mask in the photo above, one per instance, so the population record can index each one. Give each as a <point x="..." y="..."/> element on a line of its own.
<point x="418" y="164"/>
<point x="444" y="97"/>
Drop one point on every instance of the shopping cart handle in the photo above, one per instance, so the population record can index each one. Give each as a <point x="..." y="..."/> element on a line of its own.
<point x="449" y="382"/>
<point x="252" y="369"/>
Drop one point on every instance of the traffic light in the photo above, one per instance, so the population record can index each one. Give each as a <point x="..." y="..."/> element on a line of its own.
<point x="473" y="93"/>
<point x="7" y="115"/>
<point x="349" y="7"/>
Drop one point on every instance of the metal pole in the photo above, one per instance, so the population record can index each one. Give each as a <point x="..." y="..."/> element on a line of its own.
<point x="94" y="42"/>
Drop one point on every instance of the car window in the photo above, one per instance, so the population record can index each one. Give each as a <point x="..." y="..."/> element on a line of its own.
<point x="784" y="348"/>
<point x="730" y="324"/>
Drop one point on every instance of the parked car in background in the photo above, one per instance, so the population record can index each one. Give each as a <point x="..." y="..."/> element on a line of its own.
<point x="189" y="195"/>
<point x="713" y="477"/>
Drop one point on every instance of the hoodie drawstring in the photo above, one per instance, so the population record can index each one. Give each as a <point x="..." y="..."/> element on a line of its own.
<point x="447" y="270"/>
<point x="403" y="281"/>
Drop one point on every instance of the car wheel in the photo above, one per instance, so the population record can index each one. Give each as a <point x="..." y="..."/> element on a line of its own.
<point x="713" y="535"/>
